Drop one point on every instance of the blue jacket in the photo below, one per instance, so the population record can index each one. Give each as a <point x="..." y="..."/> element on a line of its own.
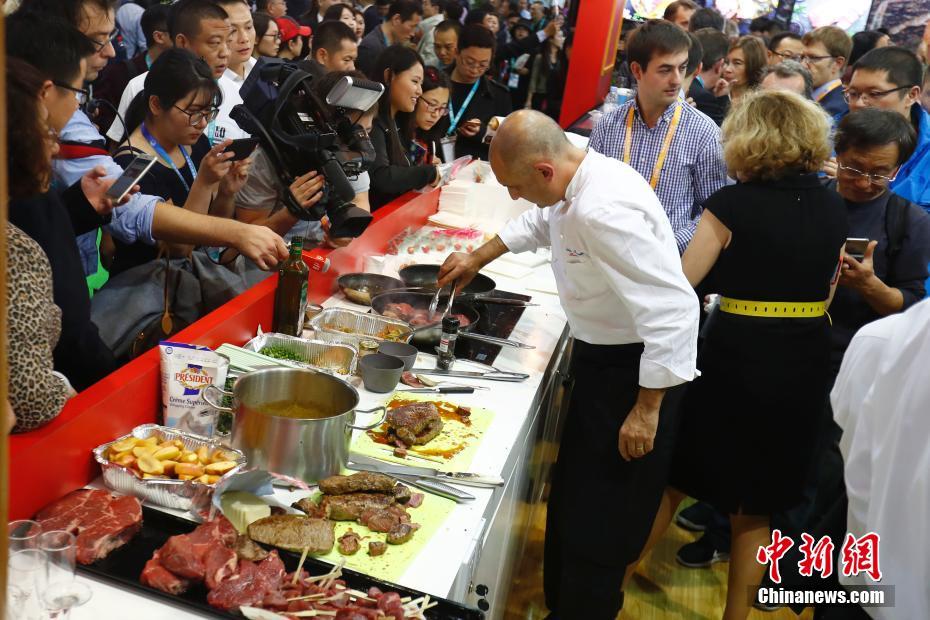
<point x="913" y="180"/>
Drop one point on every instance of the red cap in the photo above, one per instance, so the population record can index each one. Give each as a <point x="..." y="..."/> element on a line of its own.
<point x="289" y="29"/>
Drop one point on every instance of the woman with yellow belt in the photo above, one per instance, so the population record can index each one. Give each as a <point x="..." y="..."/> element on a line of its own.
<point x="771" y="244"/>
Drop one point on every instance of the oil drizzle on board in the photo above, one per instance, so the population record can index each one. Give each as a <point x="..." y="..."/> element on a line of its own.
<point x="449" y="412"/>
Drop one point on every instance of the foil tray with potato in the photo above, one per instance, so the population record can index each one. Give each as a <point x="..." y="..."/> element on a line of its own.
<point x="167" y="467"/>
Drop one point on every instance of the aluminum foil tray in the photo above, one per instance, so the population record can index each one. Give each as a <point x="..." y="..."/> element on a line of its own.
<point x="337" y="357"/>
<point x="177" y="494"/>
<point x="349" y="326"/>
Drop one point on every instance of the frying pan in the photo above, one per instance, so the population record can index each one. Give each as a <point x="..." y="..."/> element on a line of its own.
<point x="425" y="276"/>
<point x="361" y="287"/>
<point x="420" y="301"/>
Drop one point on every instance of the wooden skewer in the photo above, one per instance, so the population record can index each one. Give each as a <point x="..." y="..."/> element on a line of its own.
<point x="360" y="595"/>
<point x="431" y="605"/>
<point x="313" y="613"/>
<point x="307" y="598"/>
<point x="300" y="565"/>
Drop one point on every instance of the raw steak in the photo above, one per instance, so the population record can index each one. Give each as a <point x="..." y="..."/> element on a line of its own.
<point x="101" y="522"/>
<point x="250" y="585"/>
<point x="294" y="533"/>
<point x="363" y="481"/>
<point x="157" y="576"/>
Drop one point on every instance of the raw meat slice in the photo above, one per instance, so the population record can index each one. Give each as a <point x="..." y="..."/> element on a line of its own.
<point x="182" y="558"/>
<point x="220" y="563"/>
<point x="157" y="576"/>
<point x="102" y="522"/>
<point x="250" y="585"/>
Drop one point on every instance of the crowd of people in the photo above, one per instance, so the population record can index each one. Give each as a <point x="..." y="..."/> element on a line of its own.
<point x="735" y="178"/>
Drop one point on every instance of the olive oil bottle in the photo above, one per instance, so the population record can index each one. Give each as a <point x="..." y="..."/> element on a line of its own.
<point x="290" y="299"/>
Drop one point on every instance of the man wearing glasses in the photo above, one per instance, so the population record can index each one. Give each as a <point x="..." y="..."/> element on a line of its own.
<point x="785" y="46"/>
<point x="475" y="98"/>
<point x="890" y="78"/>
<point x="825" y="52"/>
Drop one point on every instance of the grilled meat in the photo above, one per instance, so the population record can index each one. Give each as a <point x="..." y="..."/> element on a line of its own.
<point x="363" y="481"/>
<point x="246" y="549"/>
<point x="401" y="533"/>
<point x="415" y="424"/>
<point x="349" y="543"/>
<point x="350" y="507"/>
<point x="401" y="494"/>
<point x="376" y="548"/>
<point x="294" y="533"/>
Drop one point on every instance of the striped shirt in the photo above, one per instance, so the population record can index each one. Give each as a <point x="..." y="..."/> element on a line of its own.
<point x="693" y="170"/>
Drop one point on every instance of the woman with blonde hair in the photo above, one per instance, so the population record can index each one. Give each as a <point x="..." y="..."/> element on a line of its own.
<point x="772" y="244"/>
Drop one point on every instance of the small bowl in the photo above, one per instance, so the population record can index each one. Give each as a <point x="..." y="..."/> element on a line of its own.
<point x="407" y="353"/>
<point x="380" y="372"/>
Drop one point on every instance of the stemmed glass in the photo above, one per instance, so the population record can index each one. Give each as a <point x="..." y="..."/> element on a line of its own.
<point x="22" y="535"/>
<point x="59" y="588"/>
<point x="26" y="572"/>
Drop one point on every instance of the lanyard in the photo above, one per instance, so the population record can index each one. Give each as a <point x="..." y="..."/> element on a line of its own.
<point x="455" y="118"/>
<point x="829" y="89"/>
<point x="164" y="155"/>
<point x="660" y="160"/>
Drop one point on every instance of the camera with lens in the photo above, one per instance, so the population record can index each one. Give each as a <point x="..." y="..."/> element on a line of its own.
<point x="300" y="131"/>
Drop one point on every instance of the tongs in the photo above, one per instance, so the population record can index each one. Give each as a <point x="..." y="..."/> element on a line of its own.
<point x="494" y="374"/>
<point x="434" y="303"/>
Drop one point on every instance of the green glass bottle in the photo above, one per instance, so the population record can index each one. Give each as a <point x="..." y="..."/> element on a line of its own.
<point x="290" y="299"/>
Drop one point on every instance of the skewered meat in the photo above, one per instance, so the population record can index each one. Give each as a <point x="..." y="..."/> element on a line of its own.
<point x="415" y="424"/>
<point x="294" y="533"/>
<point x="349" y="543"/>
<point x="376" y="548"/>
<point x="401" y="533"/>
<point x="363" y="481"/>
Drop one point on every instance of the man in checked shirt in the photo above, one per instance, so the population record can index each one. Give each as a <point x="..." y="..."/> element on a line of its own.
<point x="672" y="145"/>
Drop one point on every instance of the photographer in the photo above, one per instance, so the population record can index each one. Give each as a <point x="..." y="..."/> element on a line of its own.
<point x="401" y="71"/>
<point x="259" y="201"/>
<point x="166" y="119"/>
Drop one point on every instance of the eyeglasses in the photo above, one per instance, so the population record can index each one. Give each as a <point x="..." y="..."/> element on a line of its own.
<point x="433" y="108"/>
<point x="208" y="115"/>
<point x="474" y="64"/>
<point x="812" y="59"/>
<point x="854" y="95"/>
<point x="101" y="45"/>
<point x="790" y="56"/>
<point x="78" y="92"/>
<point x="874" y="179"/>
<point x="276" y="36"/>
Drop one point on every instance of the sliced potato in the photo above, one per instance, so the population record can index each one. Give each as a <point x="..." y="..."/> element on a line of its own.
<point x="169" y="467"/>
<point x="205" y="479"/>
<point x="169" y="453"/>
<point x="224" y="455"/>
<point x="144" y="450"/>
<point x="155" y="477"/>
<point x="183" y="477"/>
<point x="193" y="470"/>
<point x="203" y="455"/>
<point x="211" y="479"/>
<point x="188" y="457"/>
<point x="152" y="441"/>
<point x="220" y="468"/>
<point x="150" y="465"/>
<point x="124" y="445"/>
<point x="127" y="459"/>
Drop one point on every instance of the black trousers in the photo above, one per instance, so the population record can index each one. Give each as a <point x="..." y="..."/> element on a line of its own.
<point x="601" y="508"/>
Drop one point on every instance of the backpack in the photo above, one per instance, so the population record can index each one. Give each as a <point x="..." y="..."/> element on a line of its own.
<point x="895" y="230"/>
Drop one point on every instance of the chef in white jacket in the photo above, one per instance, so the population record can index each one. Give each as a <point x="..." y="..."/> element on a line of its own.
<point x="881" y="400"/>
<point x="635" y="320"/>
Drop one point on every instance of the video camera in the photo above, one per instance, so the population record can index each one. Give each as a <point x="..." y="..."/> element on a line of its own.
<point x="299" y="132"/>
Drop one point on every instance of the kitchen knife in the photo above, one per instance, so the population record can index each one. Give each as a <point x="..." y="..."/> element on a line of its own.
<point x="495" y="375"/>
<point x="360" y="461"/>
<point x="440" y="390"/>
<point x="437" y="488"/>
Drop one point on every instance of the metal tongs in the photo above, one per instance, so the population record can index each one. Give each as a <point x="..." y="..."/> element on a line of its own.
<point x="434" y="302"/>
<point x="494" y="374"/>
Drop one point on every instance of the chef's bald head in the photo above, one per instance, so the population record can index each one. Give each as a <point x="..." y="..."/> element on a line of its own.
<point x="531" y="156"/>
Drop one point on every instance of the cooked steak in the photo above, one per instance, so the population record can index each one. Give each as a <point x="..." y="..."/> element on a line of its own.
<point x="294" y="533"/>
<point x="401" y="494"/>
<point x="349" y="543"/>
<point x="376" y="547"/>
<point x="415" y="424"/>
<point x="351" y="506"/>
<point x="310" y="507"/>
<point x="363" y="481"/>
<point x="401" y="533"/>
<point x="246" y="549"/>
<point x="416" y="500"/>
<point x="382" y="520"/>
<point x="101" y="522"/>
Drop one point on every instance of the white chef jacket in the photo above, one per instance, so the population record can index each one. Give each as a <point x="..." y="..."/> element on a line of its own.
<point x="880" y="399"/>
<point x="220" y="129"/>
<point x="617" y="268"/>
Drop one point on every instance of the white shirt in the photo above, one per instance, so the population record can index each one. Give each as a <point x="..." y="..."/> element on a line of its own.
<point x="232" y="75"/>
<point x="220" y="129"/>
<point x="617" y="268"/>
<point x="880" y="399"/>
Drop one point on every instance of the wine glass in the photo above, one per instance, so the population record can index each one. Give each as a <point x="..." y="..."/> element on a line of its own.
<point x="26" y="576"/>
<point x="22" y="535"/>
<point x="60" y="589"/>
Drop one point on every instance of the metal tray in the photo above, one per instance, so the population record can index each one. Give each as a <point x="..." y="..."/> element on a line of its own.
<point x="337" y="357"/>
<point x="177" y="494"/>
<point x="348" y="327"/>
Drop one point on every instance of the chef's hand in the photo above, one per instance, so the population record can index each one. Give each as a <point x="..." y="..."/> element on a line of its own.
<point x="638" y="432"/>
<point x="470" y="128"/>
<point x="95" y="187"/>
<point x="859" y="275"/>
<point x="460" y="268"/>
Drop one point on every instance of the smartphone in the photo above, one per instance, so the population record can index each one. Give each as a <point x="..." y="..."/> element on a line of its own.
<point x="130" y="177"/>
<point x="855" y="247"/>
<point x="242" y="148"/>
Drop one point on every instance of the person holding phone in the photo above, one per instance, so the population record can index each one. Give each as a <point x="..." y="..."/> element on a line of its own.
<point x="168" y="120"/>
<point x="400" y="69"/>
<point x="426" y="125"/>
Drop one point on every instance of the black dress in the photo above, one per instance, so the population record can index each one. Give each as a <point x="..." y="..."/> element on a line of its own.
<point x="750" y="422"/>
<point x="162" y="181"/>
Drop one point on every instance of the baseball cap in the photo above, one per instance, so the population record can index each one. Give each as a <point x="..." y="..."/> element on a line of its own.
<point x="289" y="29"/>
